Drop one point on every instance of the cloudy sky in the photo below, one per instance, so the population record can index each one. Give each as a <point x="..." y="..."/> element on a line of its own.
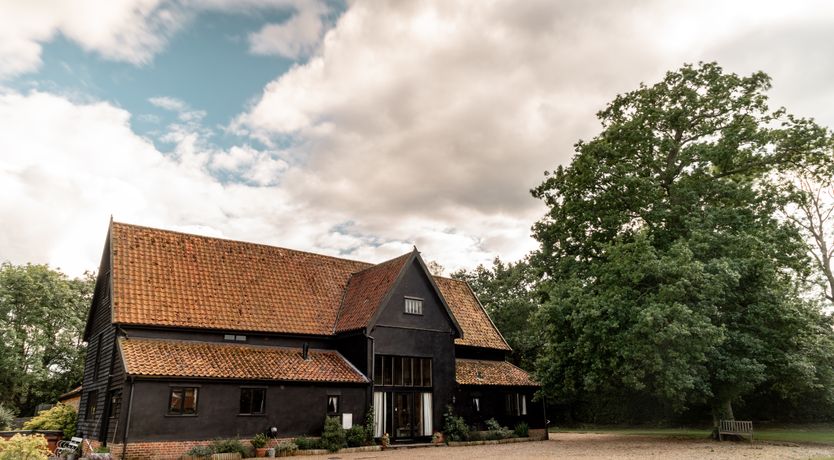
<point x="352" y="129"/>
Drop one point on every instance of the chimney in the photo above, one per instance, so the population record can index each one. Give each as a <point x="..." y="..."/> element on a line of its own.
<point x="305" y="350"/>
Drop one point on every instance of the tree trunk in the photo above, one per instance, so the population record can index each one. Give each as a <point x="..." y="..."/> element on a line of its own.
<point x="722" y="411"/>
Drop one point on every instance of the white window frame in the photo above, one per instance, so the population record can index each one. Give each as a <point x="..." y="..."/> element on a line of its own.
<point x="413" y="305"/>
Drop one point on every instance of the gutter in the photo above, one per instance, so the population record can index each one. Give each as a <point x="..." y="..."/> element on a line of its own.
<point x="127" y="418"/>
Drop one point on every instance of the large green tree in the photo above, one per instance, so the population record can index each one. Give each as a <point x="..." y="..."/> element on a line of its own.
<point x="665" y="265"/>
<point x="508" y="293"/>
<point x="42" y="317"/>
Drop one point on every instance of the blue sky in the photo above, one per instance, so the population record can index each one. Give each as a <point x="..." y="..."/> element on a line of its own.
<point x="355" y="129"/>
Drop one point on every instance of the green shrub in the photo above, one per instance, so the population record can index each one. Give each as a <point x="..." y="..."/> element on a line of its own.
<point x="200" y="451"/>
<point x="24" y="447"/>
<point x="6" y="418"/>
<point x="229" y="446"/>
<point x="356" y="436"/>
<point x="496" y="431"/>
<point x="454" y="428"/>
<point x="475" y="436"/>
<point x="60" y="417"/>
<point x="369" y="427"/>
<point x="285" y="449"/>
<point x="307" y="443"/>
<point x="101" y="450"/>
<point x="259" y="441"/>
<point x="333" y="437"/>
<point x="522" y="430"/>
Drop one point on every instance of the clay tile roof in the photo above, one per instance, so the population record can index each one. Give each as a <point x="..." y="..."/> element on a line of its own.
<point x="478" y="329"/>
<point x="478" y="372"/>
<point x="175" y="279"/>
<point x="176" y="358"/>
<point x="365" y="292"/>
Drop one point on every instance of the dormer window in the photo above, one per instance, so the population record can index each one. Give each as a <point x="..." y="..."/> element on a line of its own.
<point x="234" y="338"/>
<point x="413" y="306"/>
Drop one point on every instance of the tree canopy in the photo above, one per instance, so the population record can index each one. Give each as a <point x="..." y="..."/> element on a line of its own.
<point x="42" y="318"/>
<point x="663" y="260"/>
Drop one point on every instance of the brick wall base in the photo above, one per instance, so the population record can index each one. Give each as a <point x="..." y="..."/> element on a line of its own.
<point x="165" y="450"/>
<point x="539" y="433"/>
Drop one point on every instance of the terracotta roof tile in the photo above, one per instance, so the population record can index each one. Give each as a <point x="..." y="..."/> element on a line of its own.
<point x="175" y="279"/>
<point x="179" y="358"/>
<point x="365" y="292"/>
<point x="482" y="372"/>
<point x="478" y="330"/>
<point x="166" y="278"/>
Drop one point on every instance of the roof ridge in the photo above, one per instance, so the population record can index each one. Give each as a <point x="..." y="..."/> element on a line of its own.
<point x="231" y="240"/>
<point x="386" y="262"/>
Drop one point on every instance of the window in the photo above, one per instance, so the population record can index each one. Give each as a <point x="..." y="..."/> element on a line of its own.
<point x="402" y="371"/>
<point x="476" y="404"/>
<point x="92" y="404"/>
<point x="234" y="338"/>
<point x="182" y="401"/>
<point x="332" y="405"/>
<point x="516" y="404"/>
<point x="413" y="306"/>
<point x="252" y="401"/>
<point x="115" y="403"/>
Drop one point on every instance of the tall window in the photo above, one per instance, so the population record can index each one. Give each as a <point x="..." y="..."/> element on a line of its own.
<point x="413" y="306"/>
<point x="182" y="401"/>
<point x="115" y="403"/>
<point x="92" y="404"/>
<point x="332" y="405"/>
<point x="516" y="404"/>
<point x="402" y="371"/>
<point x="252" y="401"/>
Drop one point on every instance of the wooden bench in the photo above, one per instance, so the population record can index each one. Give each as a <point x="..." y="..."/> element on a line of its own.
<point x="735" y="427"/>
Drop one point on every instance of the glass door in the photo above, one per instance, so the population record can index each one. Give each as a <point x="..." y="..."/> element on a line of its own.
<point x="403" y="416"/>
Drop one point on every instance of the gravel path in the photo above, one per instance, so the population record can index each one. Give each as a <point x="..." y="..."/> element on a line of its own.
<point x="607" y="446"/>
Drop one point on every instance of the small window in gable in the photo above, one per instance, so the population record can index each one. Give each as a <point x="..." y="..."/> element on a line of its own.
<point x="413" y="306"/>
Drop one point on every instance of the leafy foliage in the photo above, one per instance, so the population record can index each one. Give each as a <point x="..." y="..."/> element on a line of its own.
<point x="6" y="418"/>
<point x="59" y="417"/>
<point x="229" y="446"/>
<point x="24" y="447"/>
<point x="454" y="428"/>
<point x="356" y="436"/>
<point x="285" y="448"/>
<point x="496" y="431"/>
<point x="333" y="436"/>
<point x="508" y="293"/>
<point x="521" y="430"/>
<point x="259" y="440"/>
<point x="200" y="451"/>
<point x="369" y="426"/>
<point x="664" y="267"/>
<point x="307" y="443"/>
<point x="42" y="317"/>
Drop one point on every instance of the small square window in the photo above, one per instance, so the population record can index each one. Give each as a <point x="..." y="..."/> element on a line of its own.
<point x="182" y="401"/>
<point x="413" y="306"/>
<point x="252" y="401"/>
<point x="332" y="405"/>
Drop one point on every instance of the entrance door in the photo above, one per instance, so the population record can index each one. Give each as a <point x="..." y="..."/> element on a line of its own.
<point x="403" y="416"/>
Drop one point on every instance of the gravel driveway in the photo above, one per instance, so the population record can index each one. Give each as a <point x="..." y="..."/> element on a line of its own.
<point x="607" y="446"/>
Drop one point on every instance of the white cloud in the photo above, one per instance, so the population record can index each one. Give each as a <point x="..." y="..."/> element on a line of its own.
<point x="296" y="37"/>
<point x="127" y="30"/>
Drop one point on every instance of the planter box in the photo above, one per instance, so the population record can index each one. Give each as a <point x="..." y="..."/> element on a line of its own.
<point x="234" y="456"/>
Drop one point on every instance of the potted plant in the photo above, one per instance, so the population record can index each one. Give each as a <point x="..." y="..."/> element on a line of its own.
<point x="259" y="443"/>
<point x="100" y="453"/>
<point x="385" y="440"/>
<point x="437" y="438"/>
<point x="270" y="452"/>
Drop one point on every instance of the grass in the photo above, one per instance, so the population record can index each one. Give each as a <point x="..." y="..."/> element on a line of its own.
<point x="821" y="434"/>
